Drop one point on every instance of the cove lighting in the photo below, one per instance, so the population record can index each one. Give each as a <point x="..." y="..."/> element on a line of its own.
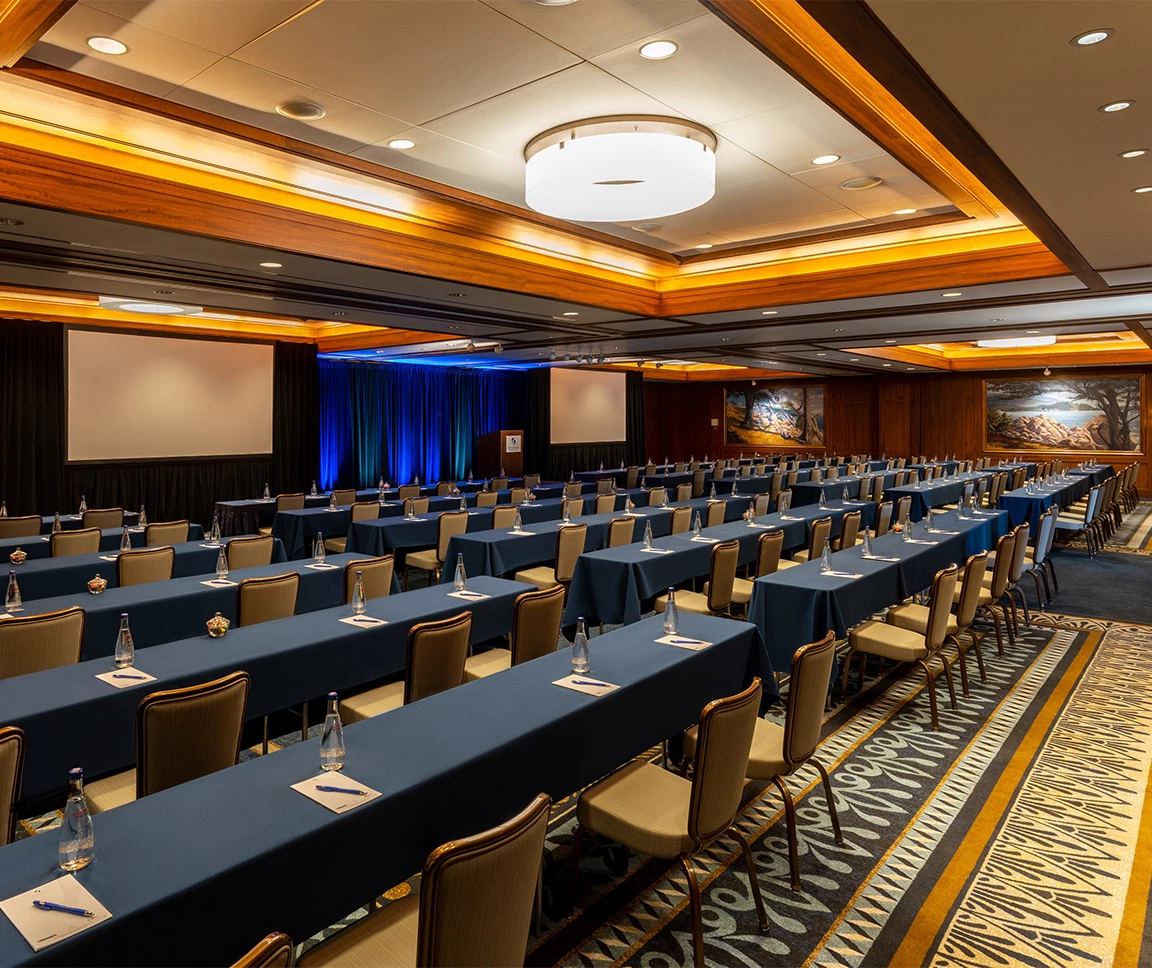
<point x="620" y="169"/>
<point x="994" y="344"/>
<point x="129" y="305"/>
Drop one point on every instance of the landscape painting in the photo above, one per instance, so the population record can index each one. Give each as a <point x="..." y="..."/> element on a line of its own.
<point x="775" y="416"/>
<point x="1096" y="414"/>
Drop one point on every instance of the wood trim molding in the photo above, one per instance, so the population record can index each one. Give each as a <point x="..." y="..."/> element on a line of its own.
<point x="23" y="22"/>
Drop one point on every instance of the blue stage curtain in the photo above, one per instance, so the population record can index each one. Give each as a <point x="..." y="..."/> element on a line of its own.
<point x="400" y="420"/>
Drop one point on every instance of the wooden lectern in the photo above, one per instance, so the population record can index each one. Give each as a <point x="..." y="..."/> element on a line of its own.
<point x="500" y="448"/>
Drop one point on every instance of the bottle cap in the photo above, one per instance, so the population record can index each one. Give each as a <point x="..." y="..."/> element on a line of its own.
<point x="332" y="696"/>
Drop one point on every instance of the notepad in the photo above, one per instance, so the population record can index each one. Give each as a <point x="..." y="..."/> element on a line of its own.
<point x="657" y="551"/>
<point x="682" y="642"/>
<point x="218" y="583"/>
<point x="42" y="929"/>
<point x="840" y="574"/>
<point x="879" y="558"/>
<point x="576" y="682"/>
<point x="518" y="533"/>
<point x="923" y="541"/>
<point x="363" y="621"/>
<point x="124" y="683"/>
<point x="939" y="531"/>
<point x="322" y="566"/>
<point x="469" y="596"/>
<point x="336" y="802"/>
<point x="109" y="557"/>
<point x="211" y="545"/>
<point x="704" y="540"/>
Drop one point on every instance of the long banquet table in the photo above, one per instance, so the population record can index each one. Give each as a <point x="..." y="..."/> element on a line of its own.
<point x="73" y="522"/>
<point x="934" y="493"/>
<point x="39" y="546"/>
<point x="1028" y="503"/>
<point x="448" y="766"/>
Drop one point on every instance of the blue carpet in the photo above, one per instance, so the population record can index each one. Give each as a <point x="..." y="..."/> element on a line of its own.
<point x="1115" y="586"/>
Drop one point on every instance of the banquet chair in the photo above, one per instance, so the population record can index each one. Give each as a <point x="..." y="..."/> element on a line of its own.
<point x="605" y="485"/>
<point x="783" y="501"/>
<point x="503" y="516"/>
<point x="981" y="492"/>
<point x="793" y="476"/>
<point x="681" y="520"/>
<point x="774" y="486"/>
<point x="249" y="552"/>
<point x="605" y="503"/>
<point x="63" y="544"/>
<point x="574" y="505"/>
<point x="815" y="475"/>
<point x="1015" y="573"/>
<point x="101" y="518"/>
<point x="531" y="480"/>
<point x="435" y="662"/>
<point x="448" y="525"/>
<point x="905" y="645"/>
<point x="745" y="470"/>
<point x="650" y="809"/>
<point x="416" y="505"/>
<point x="32" y="643"/>
<point x="569" y="546"/>
<point x="698" y="477"/>
<point x="937" y="471"/>
<point x="11" y="773"/>
<point x="631" y="476"/>
<point x="573" y="489"/>
<point x="878" y="488"/>
<point x="535" y="632"/>
<point x="517" y="495"/>
<point x="267" y="599"/>
<point x="779" y="751"/>
<point x="345" y="496"/>
<point x="913" y="476"/>
<point x="405" y="491"/>
<point x="286" y="502"/>
<point x="274" y="950"/>
<point x="900" y="478"/>
<point x="821" y="530"/>
<point x="181" y="735"/>
<point x="966" y="599"/>
<point x="714" y="513"/>
<point x="143" y="565"/>
<point x="1035" y="560"/>
<point x="849" y="529"/>
<point x="621" y="531"/>
<point x="376" y="574"/>
<point x="903" y="509"/>
<point x="474" y="906"/>
<point x="883" y="518"/>
<point x="657" y="496"/>
<point x="718" y="471"/>
<point x="717" y="598"/>
<point x="361" y="511"/>
<point x="1018" y="477"/>
<point x="649" y="469"/>
<point x="968" y="490"/>
<point x="989" y="602"/>
<point x="26" y="526"/>
<point x="768" y="547"/>
<point x="443" y="488"/>
<point x="683" y="492"/>
<point x="486" y="499"/>
<point x="166" y="533"/>
<point x="680" y="467"/>
<point x="500" y="483"/>
<point x="760" y="505"/>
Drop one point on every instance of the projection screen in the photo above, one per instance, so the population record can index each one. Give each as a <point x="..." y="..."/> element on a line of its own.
<point x="588" y="406"/>
<point x="148" y="397"/>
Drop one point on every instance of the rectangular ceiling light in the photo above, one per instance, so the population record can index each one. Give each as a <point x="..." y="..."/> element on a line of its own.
<point x="1002" y="344"/>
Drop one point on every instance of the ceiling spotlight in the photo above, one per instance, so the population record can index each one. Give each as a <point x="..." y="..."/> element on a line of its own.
<point x="603" y="357"/>
<point x="753" y="383"/>
<point x="909" y="367"/>
<point x="1090" y="37"/>
<point x="860" y="184"/>
<point x="821" y="354"/>
<point x="950" y="295"/>
<point x="271" y="265"/>
<point x="905" y="211"/>
<point x="658" y="49"/>
<point x="1047" y="371"/>
<point x="854" y="359"/>
<point x="470" y="348"/>
<point x="1134" y="153"/>
<point x="571" y="314"/>
<point x="1144" y="190"/>
<point x="996" y="319"/>
<point x="885" y="364"/>
<point x="1032" y="332"/>
<point x="107" y="45"/>
<point x="825" y="159"/>
<point x="457" y="295"/>
<point x="498" y="348"/>
<point x="10" y="221"/>
<point x="889" y="341"/>
<point x="658" y="364"/>
<point x="639" y="363"/>
<point x="647" y="226"/>
<point x="553" y="355"/>
<point x="1114" y="106"/>
<point x="301" y="110"/>
<point x="768" y="312"/>
<point x="401" y="144"/>
<point x="704" y="245"/>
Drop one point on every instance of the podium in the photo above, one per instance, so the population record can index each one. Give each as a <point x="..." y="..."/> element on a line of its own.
<point x="500" y="448"/>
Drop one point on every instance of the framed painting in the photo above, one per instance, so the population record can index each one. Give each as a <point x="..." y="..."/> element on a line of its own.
<point x="774" y="416"/>
<point x="1099" y="414"/>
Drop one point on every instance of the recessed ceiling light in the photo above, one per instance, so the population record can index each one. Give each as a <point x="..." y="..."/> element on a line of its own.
<point x="1114" y="106"/>
<point x="854" y="359"/>
<point x="301" y="110"/>
<point x="1143" y="190"/>
<point x="271" y="265"/>
<point x="905" y="211"/>
<point x="1090" y="37"/>
<point x="658" y="49"/>
<point x="13" y="221"/>
<point x="821" y="354"/>
<point x="910" y="368"/>
<point x="723" y="339"/>
<point x="401" y="144"/>
<point x="555" y="3"/>
<point x="950" y="295"/>
<point x="1134" y="153"/>
<point x="996" y="319"/>
<point x="456" y="295"/>
<point x="1032" y="332"/>
<point x="825" y="159"/>
<point x="889" y="341"/>
<point x="108" y="45"/>
<point x="769" y="312"/>
<point x="885" y="364"/>
<point x="647" y="226"/>
<point x="860" y="184"/>
<point x="339" y="313"/>
<point x="571" y="314"/>
<point x="704" y="245"/>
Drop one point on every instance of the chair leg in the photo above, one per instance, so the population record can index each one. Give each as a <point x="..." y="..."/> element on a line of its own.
<point x="577" y="837"/>
<point x="999" y="636"/>
<point x="976" y="637"/>
<point x="931" y="692"/>
<point x="828" y="796"/>
<point x="790" y="825"/>
<point x="304" y="722"/>
<point x="948" y="677"/>
<point x="1036" y="578"/>
<point x="963" y="666"/>
<point x="1023" y="602"/>
<point x="844" y="678"/>
<point x="753" y="879"/>
<point x="694" y="903"/>
<point x="264" y="748"/>
<point x="538" y="912"/>
<point x="405" y="576"/>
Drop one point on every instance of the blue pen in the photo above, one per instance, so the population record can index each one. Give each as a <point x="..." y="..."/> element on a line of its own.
<point x="367" y="621"/>
<point x="121" y="675"/>
<point x="585" y="682"/>
<point x="685" y="641"/>
<point x="53" y="906"/>
<point x="332" y="789"/>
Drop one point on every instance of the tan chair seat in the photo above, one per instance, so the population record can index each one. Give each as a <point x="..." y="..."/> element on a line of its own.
<point x="425" y="559"/>
<point x="741" y="591"/>
<point x="890" y="641"/>
<point x="915" y="617"/>
<point x="335" y="546"/>
<point x="486" y="663"/>
<point x="686" y="601"/>
<point x="785" y="563"/>
<point x="984" y="598"/>
<point x="799" y="557"/>
<point x="643" y="806"/>
<point x="387" y="936"/>
<point x="112" y="791"/>
<point x="365" y="705"/>
<point x="765" y="759"/>
<point x="267" y="530"/>
<point x="543" y="577"/>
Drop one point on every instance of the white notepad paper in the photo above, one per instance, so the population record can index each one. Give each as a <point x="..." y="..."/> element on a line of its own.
<point x="109" y="677"/>
<point x="336" y="802"/>
<point x="42" y="929"/>
<point x="575" y="683"/>
<point x="218" y="583"/>
<point x="657" y="551"/>
<point x="322" y="566"/>
<point x="109" y="557"/>
<point x="683" y="642"/>
<point x="363" y="621"/>
<point x="469" y="596"/>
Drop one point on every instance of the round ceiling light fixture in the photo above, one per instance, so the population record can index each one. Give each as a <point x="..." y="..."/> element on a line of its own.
<point x="555" y="3"/>
<point x="1113" y="106"/>
<point x="620" y="169"/>
<point x="905" y="211"/>
<point x="301" y="110"/>
<point x="107" y="45"/>
<point x="860" y="184"/>
<point x="401" y="144"/>
<point x="1134" y="153"/>
<point x="271" y="265"/>
<point x="1143" y="190"/>
<point x="155" y="309"/>
<point x="658" y="49"/>
<point x="825" y="159"/>
<point x="1090" y="37"/>
<point x="704" y="245"/>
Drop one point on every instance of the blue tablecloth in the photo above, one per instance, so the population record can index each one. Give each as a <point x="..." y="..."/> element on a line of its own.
<point x="948" y="465"/>
<point x="1025" y="505"/>
<point x="77" y="718"/>
<point x="611" y="586"/>
<point x="74" y="522"/>
<point x="38" y="546"/>
<point x="934" y="493"/>
<point x="448" y="766"/>
<point x="1097" y="473"/>
<point x="52" y="577"/>
<point x="799" y="605"/>
<point x="165" y="611"/>
<point x="808" y="492"/>
<point x="619" y="475"/>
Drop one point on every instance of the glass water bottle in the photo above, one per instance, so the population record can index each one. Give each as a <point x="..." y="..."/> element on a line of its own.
<point x="314" y="492"/>
<point x="671" y="615"/>
<point x="77" y="842"/>
<point x="125" y="541"/>
<point x="696" y="524"/>
<point x="56" y="525"/>
<point x="332" y="739"/>
<point x="867" y="547"/>
<point x="826" y="556"/>
<point x="125" y="650"/>
<point x="460" y="580"/>
<point x="647" y="534"/>
<point x="143" y="522"/>
<point x="222" y="564"/>
<point x="517" y="523"/>
<point x="12" y="600"/>
<point x="214" y="534"/>
<point x="332" y="501"/>
<point x="3" y="509"/>
<point x="83" y="504"/>
<point x="318" y="552"/>
<point x="267" y="492"/>
<point x="358" y="596"/>
<point x="580" y="648"/>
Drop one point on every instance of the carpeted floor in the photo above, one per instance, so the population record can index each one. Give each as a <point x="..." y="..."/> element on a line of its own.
<point x="1112" y="585"/>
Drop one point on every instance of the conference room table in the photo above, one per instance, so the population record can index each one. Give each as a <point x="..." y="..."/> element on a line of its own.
<point x="809" y="492"/>
<point x="948" y="465"/>
<point x="799" y="605"/>
<point x="612" y="586"/>
<point x="933" y="493"/>
<point x="1096" y="473"/>
<point x="1029" y="502"/>
<point x="191" y="851"/>
<point x="72" y="718"/>
<point x="178" y="608"/>
<point x="74" y="522"/>
<point x="39" y="546"/>
<point x="397" y="534"/>
<point x="52" y="577"/>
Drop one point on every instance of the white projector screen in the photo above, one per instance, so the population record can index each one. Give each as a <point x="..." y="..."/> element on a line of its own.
<point x="588" y="406"/>
<point x="148" y="397"/>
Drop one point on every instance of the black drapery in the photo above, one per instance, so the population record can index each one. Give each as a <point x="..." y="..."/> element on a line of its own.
<point x="295" y="417"/>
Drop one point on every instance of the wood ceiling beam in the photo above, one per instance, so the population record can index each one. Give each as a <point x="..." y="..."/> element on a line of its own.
<point x="1140" y="330"/>
<point x="23" y="22"/>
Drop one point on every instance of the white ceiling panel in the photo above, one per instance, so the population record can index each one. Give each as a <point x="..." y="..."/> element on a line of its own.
<point x="774" y="198"/>
<point x="394" y="59"/>
<point x="899" y="184"/>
